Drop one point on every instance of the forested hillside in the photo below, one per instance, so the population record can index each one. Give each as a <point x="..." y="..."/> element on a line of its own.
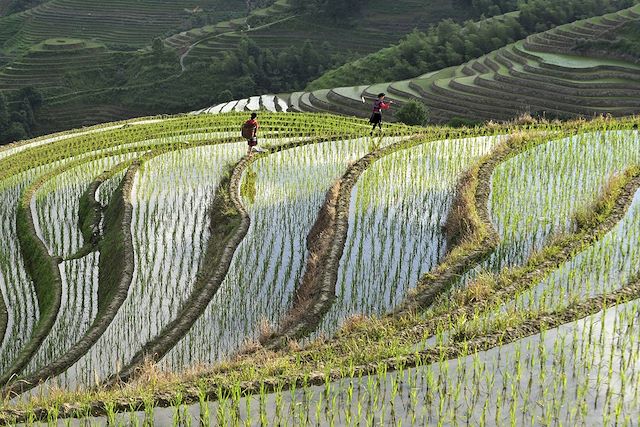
<point x="93" y="61"/>
<point x="89" y="61"/>
<point x="583" y="69"/>
<point x="452" y="44"/>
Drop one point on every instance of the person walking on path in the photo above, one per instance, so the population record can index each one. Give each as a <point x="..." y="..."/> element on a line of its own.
<point x="376" y="115"/>
<point x="250" y="132"/>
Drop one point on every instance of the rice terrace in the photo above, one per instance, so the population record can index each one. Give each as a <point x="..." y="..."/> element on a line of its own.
<point x="473" y="261"/>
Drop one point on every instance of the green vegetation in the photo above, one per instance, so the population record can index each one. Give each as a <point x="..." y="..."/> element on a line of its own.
<point x="480" y="273"/>
<point x="543" y="76"/>
<point x="532" y="275"/>
<point x="100" y="61"/>
<point x="413" y="113"/>
<point x="8" y="7"/>
<point x="624" y="41"/>
<point x="452" y="44"/>
<point x="17" y="114"/>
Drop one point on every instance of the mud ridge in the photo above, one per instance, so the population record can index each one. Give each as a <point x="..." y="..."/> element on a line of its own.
<point x="316" y="290"/>
<point x="607" y="212"/>
<point x="469" y="228"/>
<point x="115" y="274"/>
<point x="90" y="213"/>
<point x="47" y="280"/>
<point x="115" y="265"/>
<point x="190" y="393"/>
<point x="530" y="327"/>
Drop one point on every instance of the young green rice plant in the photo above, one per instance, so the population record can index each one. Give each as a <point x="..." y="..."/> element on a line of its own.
<point x="55" y="208"/>
<point x="168" y="245"/>
<point x="558" y="392"/>
<point x="582" y="163"/>
<point x="393" y="220"/>
<point x="22" y="166"/>
<point x="600" y="268"/>
<point x="456" y="390"/>
<point x="290" y="187"/>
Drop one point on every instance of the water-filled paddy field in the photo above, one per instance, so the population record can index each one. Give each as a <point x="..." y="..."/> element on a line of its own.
<point x="476" y="276"/>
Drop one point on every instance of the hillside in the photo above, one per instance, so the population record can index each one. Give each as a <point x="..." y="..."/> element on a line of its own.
<point x="451" y="44"/>
<point x="77" y="73"/>
<point x="155" y="263"/>
<point x="568" y="71"/>
<point x="379" y="24"/>
<point x="99" y="61"/>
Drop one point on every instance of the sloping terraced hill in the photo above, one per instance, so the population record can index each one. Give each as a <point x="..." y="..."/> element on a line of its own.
<point x="542" y="75"/>
<point x="381" y="24"/>
<point x="474" y="276"/>
<point x="118" y="22"/>
<point x="46" y="64"/>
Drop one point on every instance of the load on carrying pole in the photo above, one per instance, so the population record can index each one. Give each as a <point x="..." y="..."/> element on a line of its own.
<point x="248" y="130"/>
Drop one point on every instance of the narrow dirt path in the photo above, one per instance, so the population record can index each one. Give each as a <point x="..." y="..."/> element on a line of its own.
<point x="186" y="52"/>
<point x="47" y="280"/>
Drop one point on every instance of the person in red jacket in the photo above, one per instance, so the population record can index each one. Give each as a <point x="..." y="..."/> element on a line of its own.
<point x="376" y="115"/>
<point x="250" y="132"/>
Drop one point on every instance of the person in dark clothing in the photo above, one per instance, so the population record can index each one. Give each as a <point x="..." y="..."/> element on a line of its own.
<point x="376" y="115"/>
<point x="250" y="132"/>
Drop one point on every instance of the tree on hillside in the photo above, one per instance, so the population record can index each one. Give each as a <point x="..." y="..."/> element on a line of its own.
<point x="17" y="114"/>
<point x="157" y="46"/>
<point x="4" y="113"/>
<point x="492" y="7"/>
<point x="413" y="113"/>
<point x="336" y="10"/>
<point x="32" y="96"/>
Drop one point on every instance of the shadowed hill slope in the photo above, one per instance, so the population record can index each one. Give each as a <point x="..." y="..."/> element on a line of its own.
<point x="548" y="74"/>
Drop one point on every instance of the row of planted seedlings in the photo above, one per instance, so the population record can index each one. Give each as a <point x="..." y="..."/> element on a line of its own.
<point x="599" y="256"/>
<point x="170" y="196"/>
<point x="580" y="373"/>
<point x="55" y="208"/>
<point x="75" y="147"/>
<point x="282" y="193"/>
<point x="601" y="269"/>
<point x="169" y="130"/>
<point x="539" y="194"/>
<point x="162" y="276"/>
<point x="399" y="348"/>
<point x="19" y="292"/>
<point x="398" y="209"/>
<point x="583" y="370"/>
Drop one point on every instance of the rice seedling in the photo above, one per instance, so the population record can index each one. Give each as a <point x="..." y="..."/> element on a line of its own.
<point x="561" y="349"/>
